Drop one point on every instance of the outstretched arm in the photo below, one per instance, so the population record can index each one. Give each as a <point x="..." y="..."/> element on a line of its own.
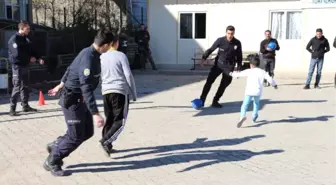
<point x="240" y="74"/>
<point x="211" y="49"/>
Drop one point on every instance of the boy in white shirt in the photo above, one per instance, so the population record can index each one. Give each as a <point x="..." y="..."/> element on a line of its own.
<point x="254" y="87"/>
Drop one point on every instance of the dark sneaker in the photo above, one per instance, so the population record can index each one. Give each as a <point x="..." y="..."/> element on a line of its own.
<point x="240" y="123"/>
<point x="27" y="108"/>
<point x="107" y="149"/>
<point x="306" y="87"/>
<point x="254" y="120"/>
<point x="53" y="165"/>
<point x="317" y="87"/>
<point x="12" y="112"/>
<point x="216" y="105"/>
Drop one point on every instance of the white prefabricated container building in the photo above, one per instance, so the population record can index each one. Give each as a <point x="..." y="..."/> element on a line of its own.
<point x="178" y="27"/>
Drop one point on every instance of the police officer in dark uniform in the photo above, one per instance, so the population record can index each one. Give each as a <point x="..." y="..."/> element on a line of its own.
<point x="229" y="54"/>
<point x="142" y="39"/>
<point x="21" y="52"/>
<point x="78" y="85"/>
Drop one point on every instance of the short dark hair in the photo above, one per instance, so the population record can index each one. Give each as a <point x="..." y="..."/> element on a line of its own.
<point x="22" y="24"/>
<point x="319" y="30"/>
<point x="103" y="37"/>
<point x="268" y="31"/>
<point x="230" y="28"/>
<point x="115" y="39"/>
<point x="254" y="59"/>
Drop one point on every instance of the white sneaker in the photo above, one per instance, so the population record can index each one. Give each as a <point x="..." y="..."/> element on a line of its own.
<point x="240" y="123"/>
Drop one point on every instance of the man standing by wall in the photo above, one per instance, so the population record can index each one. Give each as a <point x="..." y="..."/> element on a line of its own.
<point x="21" y="52"/>
<point x="142" y="39"/>
<point x="268" y="54"/>
<point x="317" y="46"/>
<point x="229" y="54"/>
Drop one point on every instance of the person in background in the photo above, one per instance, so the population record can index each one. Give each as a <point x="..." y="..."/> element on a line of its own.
<point x="229" y="54"/>
<point x="317" y="46"/>
<point x="21" y="52"/>
<point x="253" y="91"/>
<point x="142" y="39"/>
<point x="268" y="55"/>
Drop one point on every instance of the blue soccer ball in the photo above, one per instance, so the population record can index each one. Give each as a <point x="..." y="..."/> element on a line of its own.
<point x="271" y="45"/>
<point x="197" y="103"/>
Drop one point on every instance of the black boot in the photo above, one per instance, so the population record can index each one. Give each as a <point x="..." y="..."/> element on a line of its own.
<point x="51" y="145"/>
<point x="27" y="108"/>
<point x="53" y="165"/>
<point x="12" y="111"/>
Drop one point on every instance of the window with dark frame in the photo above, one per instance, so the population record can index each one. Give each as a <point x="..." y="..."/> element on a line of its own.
<point x="13" y="9"/>
<point x="16" y="13"/>
<point x="186" y="25"/>
<point x="192" y="25"/>
<point x="9" y="12"/>
<point x="200" y="25"/>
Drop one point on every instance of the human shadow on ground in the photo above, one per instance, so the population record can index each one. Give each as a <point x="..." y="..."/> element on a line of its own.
<point x="234" y="107"/>
<point x="292" y="119"/>
<point x="172" y="154"/>
<point x="302" y="84"/>
<point x="18" y="118"/>
<point x="161" y="107"/>
<point x="198" y="143"/>
<point x="22" y="115"/>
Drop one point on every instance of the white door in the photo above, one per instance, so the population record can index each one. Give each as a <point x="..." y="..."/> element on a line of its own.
<point x="192" y="35"/>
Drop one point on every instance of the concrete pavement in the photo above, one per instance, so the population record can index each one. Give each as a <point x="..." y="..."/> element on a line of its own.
<point x="167" y="142"/>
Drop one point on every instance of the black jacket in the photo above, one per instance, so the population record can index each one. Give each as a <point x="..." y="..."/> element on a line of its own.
<point x="265" y="52"/>
<point x="334" y="43"/>
<point x="229" y="53"/>
<point x="20" y="50"/>
<point x="318" y="47"/>
<point x="142" y="38"/>
<point x="82" y="77"/>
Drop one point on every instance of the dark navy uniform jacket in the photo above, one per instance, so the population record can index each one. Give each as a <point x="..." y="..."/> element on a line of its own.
<point x="82" y="76"/>
<point x="229" y="53"/>
<point x="20" y="50"/>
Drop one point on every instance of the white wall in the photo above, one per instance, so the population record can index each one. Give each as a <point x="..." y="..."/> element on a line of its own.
<point x="162" y="28"/>
<point x="169" y="50"/>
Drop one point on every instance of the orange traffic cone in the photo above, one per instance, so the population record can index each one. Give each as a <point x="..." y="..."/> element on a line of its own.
<point x="41" y="99"/>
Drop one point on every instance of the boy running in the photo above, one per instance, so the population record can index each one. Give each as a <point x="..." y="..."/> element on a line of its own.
<point x="254" y="87"/>
<point x="117" y="84"/>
